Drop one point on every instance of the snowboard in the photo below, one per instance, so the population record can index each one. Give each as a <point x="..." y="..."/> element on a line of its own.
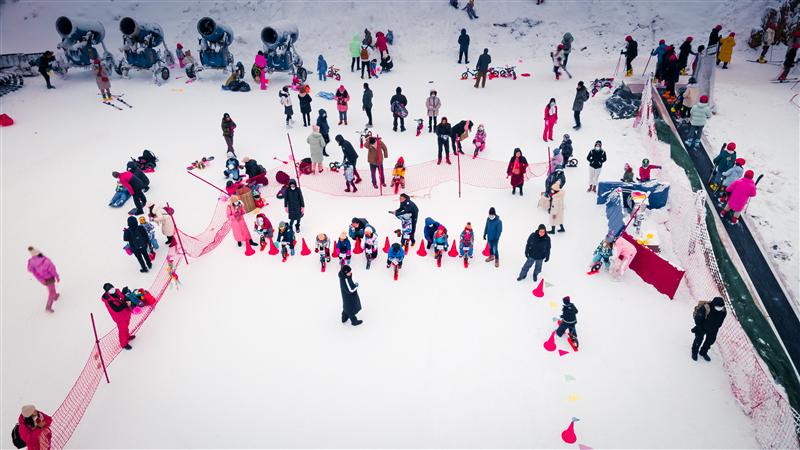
<point x="595" y="269"/>
<point x="201" y="163"/>
<point x="571" y="340"/>
<point x="788" y="80"/>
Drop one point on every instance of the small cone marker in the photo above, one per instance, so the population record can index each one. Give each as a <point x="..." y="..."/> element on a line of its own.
<point x="335" y="251"/>
<point x="305" y="251"/>
<point x="568" y="435"/>
<point x="539" y="291"/>
<point x="453" y="250"/>
<point x="550" y="344"/>
<point x="272" y="249"/>
<point x="386" y="245"/>
<point x="421" y="250"/>
<point x="486" y="250"/>
<point x="358" y="249"/>
<point x="249" y="250"/>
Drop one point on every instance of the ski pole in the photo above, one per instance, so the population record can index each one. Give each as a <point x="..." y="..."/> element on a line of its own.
<point x="648" y="63"/>
<point x="618" y="61"/>
<point x="748" y="200"/>
<point x="296" y="171"/>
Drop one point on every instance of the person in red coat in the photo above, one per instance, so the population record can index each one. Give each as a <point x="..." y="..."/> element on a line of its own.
<point x="517" y="167"/>
<point x="550" y="119"/>
<point x="739" y="192"/>
<point x="644" y="170"/>
<point x="380" y="43"/>
<point x="120" y="310"/>
<point x="34" y="428"/>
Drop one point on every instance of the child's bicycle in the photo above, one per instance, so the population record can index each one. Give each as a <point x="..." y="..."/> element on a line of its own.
<point x="286" y="250"/>
<point x="438" y="251"/>
<point x="492" y="73"/>
<point x="508" y="72"/>
<point x="333" y="72"/>
<point x="420" y="125"/>
<point x="396" y="184"/>
<point x="572" y="340"/>
<point x="466" y="256"/>
<point x="573" y="162"/>
<point x="363" y="136"/>
<point x="469" y="73"/>
<point x="395" y="265"/>
<point x="335" y="166"/>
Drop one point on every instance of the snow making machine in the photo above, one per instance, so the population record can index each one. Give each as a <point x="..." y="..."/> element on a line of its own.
<point x="279" y="39"/>
<point x="79" y="38"/>
<point x="215" y="41"/>
<point x="140" y="48"/>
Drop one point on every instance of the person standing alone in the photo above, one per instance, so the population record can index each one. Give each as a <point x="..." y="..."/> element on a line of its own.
<point x="351" y="303"/>
<point x="491" y="233"/>
<point x="482" y="68"/>
<point x="708" y="318"/>
<point x="537" y="251"/>
<point x="228" y="125"/>
<point x="463" y="46"/>
<point x="581" y="96"/>
<point x="45" y="272"/>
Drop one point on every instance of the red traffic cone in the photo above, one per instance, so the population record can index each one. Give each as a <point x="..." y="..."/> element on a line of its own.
<point x="486" y="249"/>
<point x="249" y="251"/>
<point x="421" y="250"/>
<point x="357" y="249"/>
<point x="272" y="249"/>
<point x="539" y="291"/>
<point x="453" y="251"/>
<point x="335" y="251"/>
<point x="305" y="251"/>
<point x="386" y="245"/>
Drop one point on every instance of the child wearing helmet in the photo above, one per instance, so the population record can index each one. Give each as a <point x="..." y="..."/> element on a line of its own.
<point x="399" y="175"/>
<point x="395" y="256"/>
<point x="343" y="248"/>
<point x="627" y="176"/>
<point x="479" y="141"/>
<point x="644" y="170"/>
<point x="285" y="240"/>
<point x="263" y="228"/>
<point x="370" y="244"/>
<point x="466" y="243"/>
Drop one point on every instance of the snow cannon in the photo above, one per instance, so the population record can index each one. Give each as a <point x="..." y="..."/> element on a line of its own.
<point x="215" y="40"/>
<point x="140" y="46"/>
<point x="279" y="40"/>
<point x="78" y="40"/>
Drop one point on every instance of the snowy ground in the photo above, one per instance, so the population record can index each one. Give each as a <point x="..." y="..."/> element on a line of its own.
<point x="446" y="357"/>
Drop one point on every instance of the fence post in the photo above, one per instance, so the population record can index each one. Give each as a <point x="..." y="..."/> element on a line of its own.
<point x="380" y="155"/>
<point x="177" y="233"/>
<point x="99" y="352"/>
<point x="458" y="163"/>
<point x="294" y="161"/>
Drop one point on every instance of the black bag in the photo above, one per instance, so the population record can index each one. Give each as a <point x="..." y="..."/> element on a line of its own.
<point x="16" y="439"/>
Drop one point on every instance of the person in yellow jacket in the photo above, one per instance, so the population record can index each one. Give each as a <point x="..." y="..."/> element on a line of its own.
<point x="726" y="45"/>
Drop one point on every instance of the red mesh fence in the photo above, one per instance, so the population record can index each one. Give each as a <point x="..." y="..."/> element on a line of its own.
<point x="479" y="172"/>
<point x="67" y="417"/>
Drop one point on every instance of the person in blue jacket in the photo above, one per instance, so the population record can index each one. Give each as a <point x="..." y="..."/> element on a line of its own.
<point x="430" y="229"/>
<point x="396" y="256"/>
<point x="491" y="233"/>
<point x="658" y="52"/>
<point x="322" y="68"/>
<point x="344" y="249"/>
<point x="357" y="227"/>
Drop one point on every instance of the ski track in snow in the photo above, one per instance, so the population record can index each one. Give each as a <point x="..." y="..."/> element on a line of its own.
<point x="454" y="355"/>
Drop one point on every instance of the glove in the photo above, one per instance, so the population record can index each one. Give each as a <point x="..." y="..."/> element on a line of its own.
<point x="547" y="259"/>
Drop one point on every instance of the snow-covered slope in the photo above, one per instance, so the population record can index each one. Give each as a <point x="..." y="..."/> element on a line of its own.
<point x="445" y="358"/>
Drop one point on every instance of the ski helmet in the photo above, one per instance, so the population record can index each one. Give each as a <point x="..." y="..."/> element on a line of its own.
<point x="731" y="146"/>
<point x="740" y="161"/>
<point x="749" y="174"/>
<point x="662" y="42"/>
<point x="282" y="225"/>
<point x="645" y="162"/>
<point x="628" y="38"/>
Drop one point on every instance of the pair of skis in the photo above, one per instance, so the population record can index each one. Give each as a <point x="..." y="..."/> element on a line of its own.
<point x="117" y="98"/>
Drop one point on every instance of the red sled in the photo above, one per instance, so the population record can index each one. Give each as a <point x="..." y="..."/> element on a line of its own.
<point x="526" y="75"/>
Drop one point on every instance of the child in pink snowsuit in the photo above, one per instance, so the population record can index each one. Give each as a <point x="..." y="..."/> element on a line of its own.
<point x="120" y="311"/>
<point x="623" y="253"/>
<point x="261" y="63"/>
<point x="739" y="192"/>
<point x="45" y="272"/>
<point x="479" y="141"/>
<point x="239" y="227"/>
<point x="550" y="119"/>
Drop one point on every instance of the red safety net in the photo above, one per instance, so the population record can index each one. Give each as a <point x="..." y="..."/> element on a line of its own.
<point x="67" y="417"/>
<point x="479" y="172"/>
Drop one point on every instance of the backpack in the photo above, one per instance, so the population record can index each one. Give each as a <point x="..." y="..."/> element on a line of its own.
<point x="399" y="110"/>
<point x="16" y="438"/>
<point x="364" y="54"/>
<point x="305" y="166"/>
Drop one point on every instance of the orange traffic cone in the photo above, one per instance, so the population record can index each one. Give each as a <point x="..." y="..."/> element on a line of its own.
<point x="386" y="245"/>
<point x="249" y="250"/>
<point x="272" y="249"/>
<point x="357" y="249"/>
<point x="486" y="249"/>
<point x="421" y="250"/>
<point x="335" y="251"/>
<point x="453" y="250"/>
<point x="305" y="251"/>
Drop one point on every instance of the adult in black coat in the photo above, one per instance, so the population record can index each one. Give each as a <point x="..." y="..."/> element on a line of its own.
<point x="537" y="250"/>
<point x="708" y="318"/>
<point x="713" y="37"/>
<point x="465" y="126"/>
<point x="672" y="73"/>
<point x="44" y="67"/>
<point x="399" y="99"/>
<point x="366" y="103"/>
<point x="443" y="136"/>
<point x="482" y="67"/>
<point x="349" y="155"/>
<point x="139" y="173"/>
<point x="294" y="205"/>
<point x="556" y="175"/>
<point x="408" y="207"/>
<point x="683" y="55"/>
<point x="305" y="108"/>
<point x="351" y="304"/>
<point x="631" y="52"/>
<point x="324" y="129"/>
<point x="136" y="237"/>
<point x="463" y="46"/>
<point x="568" y="320"/>
<point x="566" y="149"/>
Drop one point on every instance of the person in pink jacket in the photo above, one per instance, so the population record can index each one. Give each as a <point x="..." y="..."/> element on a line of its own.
<point x="45" y="272"/>
<point x="739" y="193"/>
<point x="623" y="253"/>
<point x="550" y="119"/>
<point x="34" y="428"/>
<point x="261" y="63"/>
<point x="239" y="227"/>
<point x="120" y="310"/>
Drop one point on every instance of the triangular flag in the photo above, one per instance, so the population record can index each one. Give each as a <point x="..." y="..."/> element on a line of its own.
<point x="552" y="304"/>
<point x="562" y="352"/>
<point x="546" y="284"/>
<point x="584" y="447"/>
<point x="572" y="398"/>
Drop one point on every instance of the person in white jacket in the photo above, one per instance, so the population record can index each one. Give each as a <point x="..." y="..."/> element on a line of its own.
<point x="767" y="39"/>
<point x="159" y="215"/>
